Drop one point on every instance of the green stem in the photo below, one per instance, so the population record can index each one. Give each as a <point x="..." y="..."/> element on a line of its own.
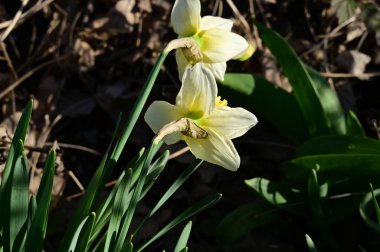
<point x="138" y="106"/>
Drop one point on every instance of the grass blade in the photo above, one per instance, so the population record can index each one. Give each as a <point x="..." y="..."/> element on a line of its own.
<point x="376" y="205"/>
<point x="182" y="241"/>
<point x="19" y="200"/>
<point x="37" y="232"/>
<point x="196" y="208"/>
<point x="310" y="244"/>
<point x="81" y="238"/>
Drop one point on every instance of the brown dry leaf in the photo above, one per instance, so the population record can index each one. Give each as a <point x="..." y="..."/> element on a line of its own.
<point x="355" y="30"/>
<point x="354" y="62"/>
<point x="86" y="54"/>
<point x="119" y="20"/>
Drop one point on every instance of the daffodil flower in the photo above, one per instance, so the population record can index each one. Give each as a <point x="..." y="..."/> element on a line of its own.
<point x="202" y="119"/>
<point x="212" y="34"/>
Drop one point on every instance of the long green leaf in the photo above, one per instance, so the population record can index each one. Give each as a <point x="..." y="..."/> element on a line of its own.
<point x="354" y="126"/>
<point x="339" y="145"/>
<point x="19" y="199"/>
<point x="19" y="134"/>
<point x="244" y="219"/>
<point x="81" y="237"/>
<point x="368" y="211"/>
<point x="310" y="244"/>
<point x="37" y="231"/>
<point x="184" y="237"/>
<point x="271" y="103"/>
<point x="135" y="197"/>
<point x="120" y="205"/>
<point x="320" y="110"/>
<point x="172" y="189"/>
<point x="314" y="194"/>
<point x="194" y="209"/>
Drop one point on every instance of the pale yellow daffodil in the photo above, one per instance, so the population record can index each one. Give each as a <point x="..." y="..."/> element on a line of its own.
<point x="212" y="35"/>
<point x="209" y="123"/>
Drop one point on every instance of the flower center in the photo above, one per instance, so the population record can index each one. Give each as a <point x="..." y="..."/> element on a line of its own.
<point x="195" y="115"/>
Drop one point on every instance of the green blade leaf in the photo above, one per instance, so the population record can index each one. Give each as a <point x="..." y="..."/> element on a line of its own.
<point x="37" y="231"/>
<point x="339" y="145"/>
<point x="120" y="240"/>
<point x="19" y="200"/>
<point x="243" y="83"/>
<point x="314" y="194"/>
<point x="173" y="188"/>
<point x="368" y="211"/>
<point x="376" y="205"/>
<point x="120" y="205"/>
<point x="244" y="219"/>
<point x="196" y="208"/>
<point x="310" y="244"/>
<point x="319" y="109"/>
<point x="288" y="120"/>
<point x="354" y="126"/>
<point x="19" y="135"/>
<point x="184" y="237"/>
<point x="81" y="237"/>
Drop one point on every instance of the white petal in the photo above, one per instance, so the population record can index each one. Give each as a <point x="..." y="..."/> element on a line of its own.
<point x="161" y="113"/>
<point x="230" y="122"/>
<point x="221" y="46"/>
<point x="198" y="93"/>
<point x="181" y="62"/>
<point x="186" y="17"/>
<point x="215" y="149"/>
<point x="210" y="22"/>
<point x="217" y="69"/>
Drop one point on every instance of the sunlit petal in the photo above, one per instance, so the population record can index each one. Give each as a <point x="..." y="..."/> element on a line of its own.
<point x="215" y="149"/>
<point x="217" y="69"/>
<point x="197" y="95"/>
<point x="230" y="122"/>
<point x="221" y="46"/>
<point x="181" y="62"/>
<point x="186" y="17"/>
<point x="210" y="22"/>
<point x="161" y="113"/>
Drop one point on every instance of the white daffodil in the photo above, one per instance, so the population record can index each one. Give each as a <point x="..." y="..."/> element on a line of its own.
<point x="201" y="119"/>
<point x="212" y="35"/>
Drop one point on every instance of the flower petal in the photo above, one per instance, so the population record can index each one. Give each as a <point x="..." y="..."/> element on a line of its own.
<point x="215" y="149"/>
<point x="161" y="113"/>
<point x="181" y="62"/>
<point x="230" y="122"/>
<point x="197" y="96"/>
<point x="186" y="17"/>
<point x="210" y="22"/>
<point x="221" y="46"/>
<point x="217" y="69"/>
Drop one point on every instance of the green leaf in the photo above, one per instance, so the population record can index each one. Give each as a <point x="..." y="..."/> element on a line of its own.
<point x="376" y="205"/>
<point x="343" y="172"/>
<point x="274" y="192"/>
<point x="314" y="194"/>
<point x="281" y="110"/>
<point x="339" y="145"/>
<point x="37" y="231"/>
<point x="243" y="83"/>
<point x="19" y="199"/>
<point x="310" y="244"/>
<point x="336" y="120"/>
<point x="127" y="218"/>
<point x="354" y="126"/>
<point x="19" y="135"/>
<point x="81" y="237"/>
<point x="244" y="219"/>
<point x="318" y="106"/>
<point x="120" y="205"/>
<point x="368" y="212"/>
<point x="184" y="237"/>
<point x="194" y="209"/>
<point x="172" y="189"/>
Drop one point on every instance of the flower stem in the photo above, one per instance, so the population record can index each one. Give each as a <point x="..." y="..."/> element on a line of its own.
<point x="138" y="106"/>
